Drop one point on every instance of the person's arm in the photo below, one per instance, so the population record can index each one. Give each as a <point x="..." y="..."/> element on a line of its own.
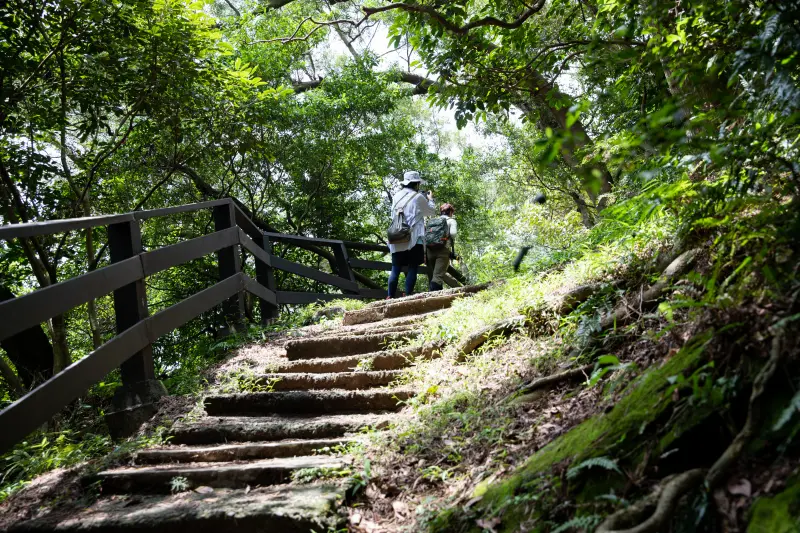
<point x="426" y="206"/>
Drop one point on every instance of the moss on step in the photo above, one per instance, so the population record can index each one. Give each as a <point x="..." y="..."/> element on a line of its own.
<point x="778" y="514"/>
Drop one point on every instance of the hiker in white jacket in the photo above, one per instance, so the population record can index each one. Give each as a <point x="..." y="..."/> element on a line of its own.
<point x="410" y="254"/>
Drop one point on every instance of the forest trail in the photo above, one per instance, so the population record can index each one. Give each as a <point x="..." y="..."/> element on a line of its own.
<point x="236" y="461"/>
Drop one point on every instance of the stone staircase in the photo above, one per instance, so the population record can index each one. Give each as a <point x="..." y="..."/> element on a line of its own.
<point x="235" y="464"/>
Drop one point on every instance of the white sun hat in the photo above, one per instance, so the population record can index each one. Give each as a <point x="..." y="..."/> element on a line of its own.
<point x="412" y="176"/>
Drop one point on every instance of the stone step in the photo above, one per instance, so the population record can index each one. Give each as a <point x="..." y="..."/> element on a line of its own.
<point x="411" y="321"/>
<point x="336" y="346"/>
<point x="238" y="452"/>
<point x="284" y="509"/>
<point x="330" y="380"/>
<point x="466" y="289"/>
<point x="305" y="402"/>
<point x="388" y="360"/>
<point x="158" y="479"/>
<point x="218" y="430"/>
<point x="369" y="329"/>
<point x="413" y="305"/>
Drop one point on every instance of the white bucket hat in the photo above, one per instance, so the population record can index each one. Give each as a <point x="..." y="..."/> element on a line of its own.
<point x="412" y="176"/>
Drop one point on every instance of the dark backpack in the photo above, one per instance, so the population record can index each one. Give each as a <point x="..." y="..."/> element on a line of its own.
<point x="437" y="233"/>
<point x="399" y="231"/>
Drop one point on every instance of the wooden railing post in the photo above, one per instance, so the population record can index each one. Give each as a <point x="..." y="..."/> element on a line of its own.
<point x="140" y="388"/>
<point x="265" y="275"/>
<point x="229" y="265"/>
<point x="343" y="269"/>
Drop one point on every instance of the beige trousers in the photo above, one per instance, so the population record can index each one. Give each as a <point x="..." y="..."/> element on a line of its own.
<point x="438" y="261"/>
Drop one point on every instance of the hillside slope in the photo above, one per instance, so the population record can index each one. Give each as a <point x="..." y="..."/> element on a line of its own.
<point x="639" y="385"/>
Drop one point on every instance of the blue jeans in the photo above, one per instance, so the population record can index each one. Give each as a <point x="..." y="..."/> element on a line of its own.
<point x="394" y="278"/>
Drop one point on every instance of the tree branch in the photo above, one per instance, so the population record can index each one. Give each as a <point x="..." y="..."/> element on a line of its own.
<point x="277" y="4"/>
<point x="421" y="84"/>
<point x="454" y="28"/>
<point x="233" y="7"/>
<point x="293" y="38"/>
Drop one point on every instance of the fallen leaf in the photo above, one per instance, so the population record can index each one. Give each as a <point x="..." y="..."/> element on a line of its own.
<point x="355" y="519"/>
<point x="400" y="509"/>
<point x="204" y="490"/>
<point x="740" y="488"/>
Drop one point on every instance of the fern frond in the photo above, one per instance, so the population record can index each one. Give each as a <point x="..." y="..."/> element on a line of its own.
<point x="579" y="523"/>
<point x="602" y="462"/>
<point x="788" y="413"/>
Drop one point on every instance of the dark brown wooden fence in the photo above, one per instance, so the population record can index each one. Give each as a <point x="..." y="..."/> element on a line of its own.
<point x="130" y="349"/>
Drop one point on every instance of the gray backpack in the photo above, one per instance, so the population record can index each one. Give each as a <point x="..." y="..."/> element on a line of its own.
<point x="399" y="231"/>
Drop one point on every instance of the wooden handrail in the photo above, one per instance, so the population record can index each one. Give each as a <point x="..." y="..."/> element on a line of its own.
<point x="42" y="403"/>
<point x="136" y="331"/>
<point x="33" y="229"/>
<point x="36" y="307"/>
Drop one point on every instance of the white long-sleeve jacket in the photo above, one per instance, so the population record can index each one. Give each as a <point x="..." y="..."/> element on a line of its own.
<point x="415" y="211"/>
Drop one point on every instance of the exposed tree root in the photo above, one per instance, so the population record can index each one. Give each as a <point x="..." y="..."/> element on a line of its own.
<point x="631" y="308"/>
<point x="503" y="328"/>
<point x="720" y="468"/>
<point x="678" y="486"/>
<point x="668" y="499"/>
<point x="573" y="298"/>
<point x="555" y="379"/>
<point x="648" y="298"/>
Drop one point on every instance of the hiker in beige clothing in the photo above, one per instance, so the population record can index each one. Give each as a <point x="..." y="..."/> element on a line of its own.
<point x="441" y="249"/>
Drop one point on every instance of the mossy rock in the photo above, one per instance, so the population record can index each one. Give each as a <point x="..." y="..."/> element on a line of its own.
<point x="778" y="514"/>
<point x="644" y="402"/>
<point x="624" y="427"/>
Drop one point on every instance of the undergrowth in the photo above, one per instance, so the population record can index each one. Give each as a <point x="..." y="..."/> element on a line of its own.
<point x="576" y="455"/>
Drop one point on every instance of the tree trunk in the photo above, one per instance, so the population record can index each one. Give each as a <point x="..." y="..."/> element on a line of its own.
<point x="596" y="177"/>
<point x="13" y="382"/>
<point x="30" y="351"/>
<point x="61" y="359"/>
<point x="583" y="209"/>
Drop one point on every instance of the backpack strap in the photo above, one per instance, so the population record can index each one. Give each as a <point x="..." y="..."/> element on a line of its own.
<point x="410" y="197"/>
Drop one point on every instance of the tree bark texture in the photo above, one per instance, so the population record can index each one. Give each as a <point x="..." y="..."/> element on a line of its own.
<point x="30" y="351"/>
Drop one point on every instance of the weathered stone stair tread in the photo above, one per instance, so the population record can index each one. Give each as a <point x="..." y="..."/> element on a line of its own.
<point x="330" y="380"/>
<point x="466" y="289"/>
<point x="387" y="360"/>
<point x="379" y="330"/>
<point x="335" y="346"/>
<point x="238" y="452"/>
<point x="156" y="479"/>
<point x="407" y="306"/>
<point x="389" y="323"/>
<point x="217" y="430"/>
<point x="284" y="509"/>
<point x="305" y="402"/>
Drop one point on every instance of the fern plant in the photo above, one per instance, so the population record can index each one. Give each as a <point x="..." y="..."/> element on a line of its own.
<point x="579" y="523"/>
<point x="602" y="462"/>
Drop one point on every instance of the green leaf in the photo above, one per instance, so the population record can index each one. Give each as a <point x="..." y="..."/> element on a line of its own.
<point x="607" y="360"/>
